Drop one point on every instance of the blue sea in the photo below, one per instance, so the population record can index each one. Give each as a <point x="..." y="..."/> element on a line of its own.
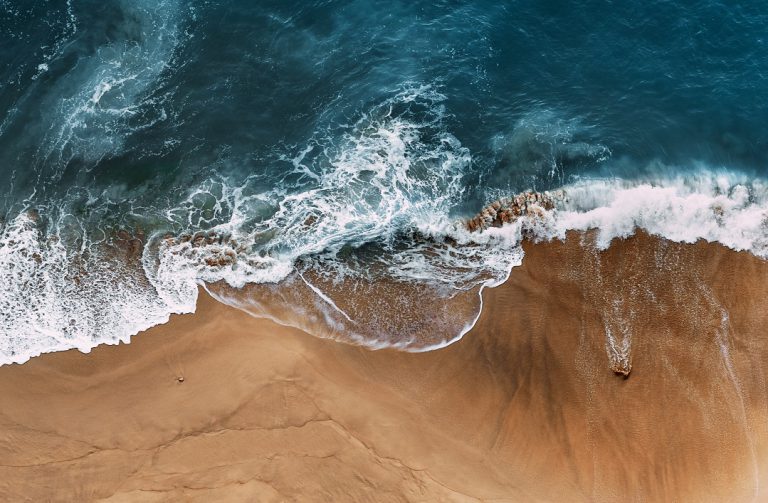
<point x="316" y="162"/>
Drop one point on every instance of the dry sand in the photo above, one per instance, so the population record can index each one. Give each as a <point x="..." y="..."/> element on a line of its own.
<point x="527" y="407"/>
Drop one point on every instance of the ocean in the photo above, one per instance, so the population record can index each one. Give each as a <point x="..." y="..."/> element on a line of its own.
<point x="317" y="162"/>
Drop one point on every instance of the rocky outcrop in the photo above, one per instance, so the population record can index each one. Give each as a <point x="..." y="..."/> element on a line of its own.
<point x="217" y="250"/>
<point x="507" y="210"/>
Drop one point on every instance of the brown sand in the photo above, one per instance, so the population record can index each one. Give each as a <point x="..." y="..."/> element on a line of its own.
<point x="526" y="407"/>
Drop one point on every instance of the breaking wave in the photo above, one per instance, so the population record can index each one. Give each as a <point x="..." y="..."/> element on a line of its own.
<point x="357" y="241"/>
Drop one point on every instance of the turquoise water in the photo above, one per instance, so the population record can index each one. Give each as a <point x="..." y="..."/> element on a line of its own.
<point x="338" y="143"/>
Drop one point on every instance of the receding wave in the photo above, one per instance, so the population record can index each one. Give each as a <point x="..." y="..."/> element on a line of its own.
<point x="358" y="241"/>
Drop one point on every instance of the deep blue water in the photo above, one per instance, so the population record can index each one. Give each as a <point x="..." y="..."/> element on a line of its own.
<point x="230" y="87"/>
<point x="113" y="115"/>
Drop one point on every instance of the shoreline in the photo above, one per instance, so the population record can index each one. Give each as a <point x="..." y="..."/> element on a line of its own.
<point x="526" y="406"/>
<point x="163" y="276"/>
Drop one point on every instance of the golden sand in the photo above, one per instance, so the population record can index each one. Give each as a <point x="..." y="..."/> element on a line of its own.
<point x="532" y="405"/>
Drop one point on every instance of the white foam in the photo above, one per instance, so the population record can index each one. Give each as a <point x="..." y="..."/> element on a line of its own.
<point x="391" y="172"/>
<point x="52" y="300"/>
<point x="40" y="293"/>
<point x="718" y="207"/>
<point x="395" y="173"/>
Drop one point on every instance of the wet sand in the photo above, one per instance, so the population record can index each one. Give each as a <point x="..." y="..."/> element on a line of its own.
<point x="532" y="405"/>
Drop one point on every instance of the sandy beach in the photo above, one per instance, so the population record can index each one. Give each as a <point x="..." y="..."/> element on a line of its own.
<point x="632" y="374"/>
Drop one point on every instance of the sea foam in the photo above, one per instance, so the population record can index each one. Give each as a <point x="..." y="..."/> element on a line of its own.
<point x="721" y="207"/>
<point x="364" y="248"/>
<point x="56" y="296"/>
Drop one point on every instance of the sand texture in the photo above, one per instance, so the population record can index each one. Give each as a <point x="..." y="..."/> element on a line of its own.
<point x="634" y="374"/>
